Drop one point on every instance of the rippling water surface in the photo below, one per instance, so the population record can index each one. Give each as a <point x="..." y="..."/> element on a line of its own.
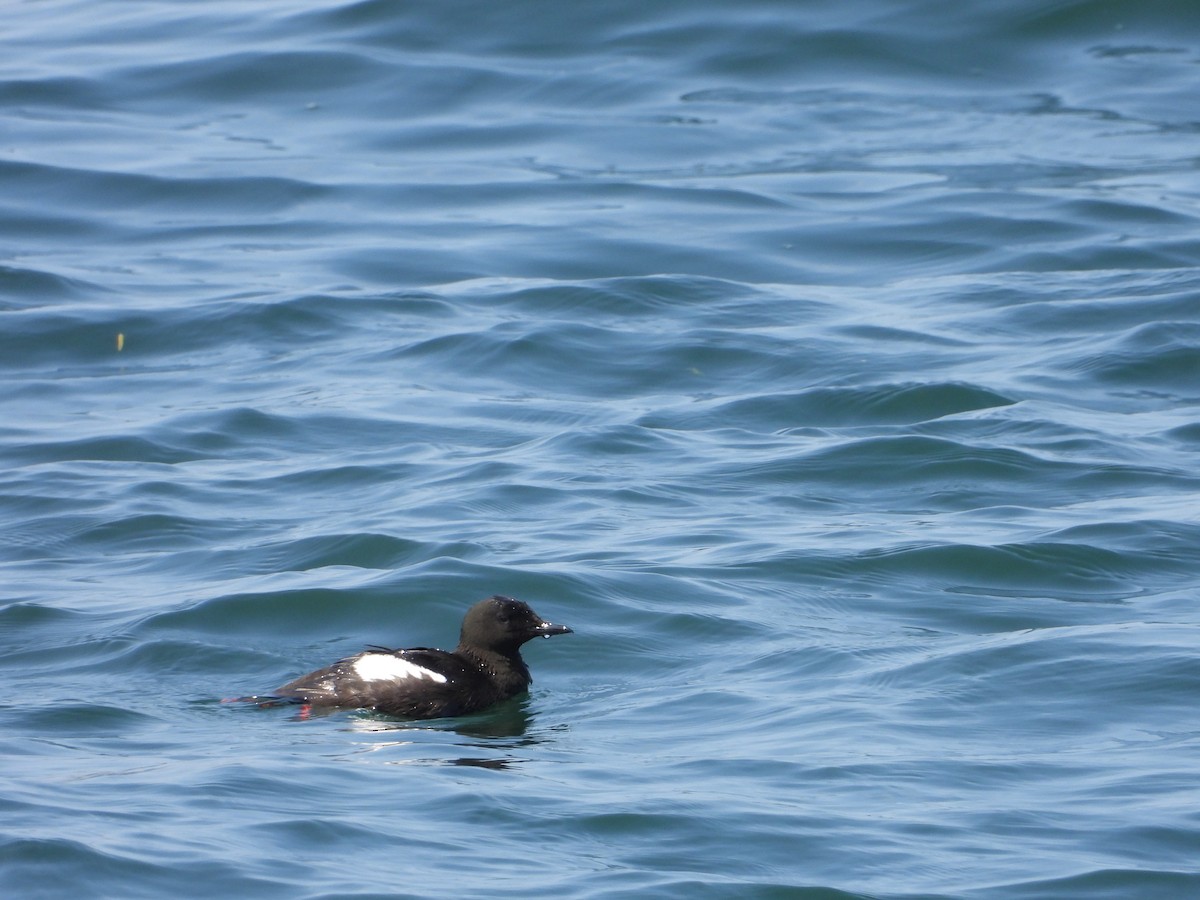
<point x="833" y="369"/>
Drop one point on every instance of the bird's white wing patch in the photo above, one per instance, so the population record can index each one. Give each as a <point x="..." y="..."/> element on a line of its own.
<point x="386" y="667"/>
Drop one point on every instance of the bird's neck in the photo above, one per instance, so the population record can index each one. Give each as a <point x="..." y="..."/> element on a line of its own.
<point x="507" y="668"/>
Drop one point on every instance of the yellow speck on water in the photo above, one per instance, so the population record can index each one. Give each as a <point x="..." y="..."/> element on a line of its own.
<point x="120" y="341"/>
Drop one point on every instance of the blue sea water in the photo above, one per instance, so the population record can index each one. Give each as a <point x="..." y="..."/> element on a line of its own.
<point x="833" y="369"/>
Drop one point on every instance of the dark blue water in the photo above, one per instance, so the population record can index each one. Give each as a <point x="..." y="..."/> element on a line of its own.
<point x="832" y="368"/>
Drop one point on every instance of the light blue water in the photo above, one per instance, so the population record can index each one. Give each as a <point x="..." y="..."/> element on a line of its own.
<point x="832" y="369"/>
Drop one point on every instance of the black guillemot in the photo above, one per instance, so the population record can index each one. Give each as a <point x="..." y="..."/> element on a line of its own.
<point x="421" y="683"/>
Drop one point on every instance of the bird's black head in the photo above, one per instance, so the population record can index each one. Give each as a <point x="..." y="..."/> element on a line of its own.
<point x="504" y="624"/>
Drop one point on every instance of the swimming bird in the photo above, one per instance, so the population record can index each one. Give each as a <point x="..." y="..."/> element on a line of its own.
<point x="422" y="683"/>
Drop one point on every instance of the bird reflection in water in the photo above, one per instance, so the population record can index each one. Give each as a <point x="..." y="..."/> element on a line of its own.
<point x="502" y="730"/>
